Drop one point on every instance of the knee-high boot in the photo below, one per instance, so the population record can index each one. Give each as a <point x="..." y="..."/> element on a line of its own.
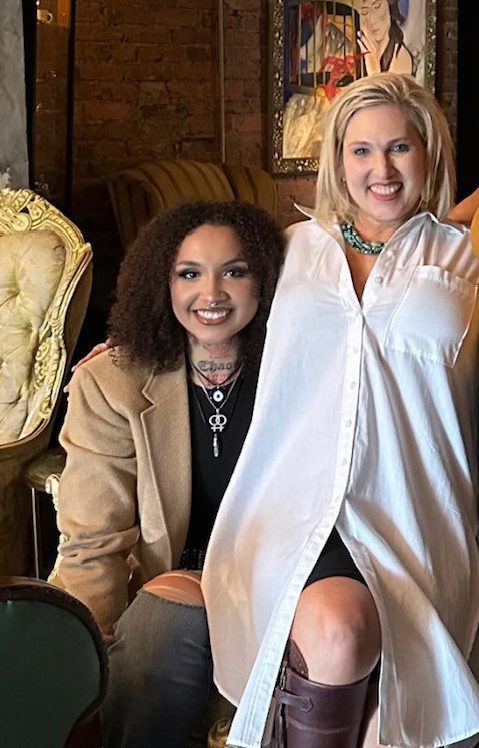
<point x="313" y="715"/>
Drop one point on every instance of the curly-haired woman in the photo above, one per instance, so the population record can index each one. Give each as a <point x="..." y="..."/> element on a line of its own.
<point x="153" y="431"/>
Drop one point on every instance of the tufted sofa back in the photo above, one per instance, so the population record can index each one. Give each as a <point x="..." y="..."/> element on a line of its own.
<point x="140" y="193"/>
<point x="31" y="266"/>
<point x="42" y="257"/>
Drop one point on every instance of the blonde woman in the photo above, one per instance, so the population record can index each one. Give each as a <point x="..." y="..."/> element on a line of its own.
<point x="345" y="546"/>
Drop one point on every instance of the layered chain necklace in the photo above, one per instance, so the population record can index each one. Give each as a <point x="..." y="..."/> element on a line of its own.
<point x="351" y="236"/>
<point x="217" y="400"/>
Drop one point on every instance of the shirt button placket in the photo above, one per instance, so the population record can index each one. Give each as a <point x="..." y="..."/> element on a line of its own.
<point x="350" y="404"/>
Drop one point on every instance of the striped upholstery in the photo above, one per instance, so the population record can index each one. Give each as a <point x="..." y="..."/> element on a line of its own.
<point x="139" y="193"/>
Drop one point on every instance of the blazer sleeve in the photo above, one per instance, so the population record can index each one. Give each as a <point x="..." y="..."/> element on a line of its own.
<point x="97" y="500"/>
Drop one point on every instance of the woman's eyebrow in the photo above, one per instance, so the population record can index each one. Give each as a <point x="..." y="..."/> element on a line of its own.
<point x="193" y="263"/>
<point x="396" y="139"/>
<point x="239" y="258"/>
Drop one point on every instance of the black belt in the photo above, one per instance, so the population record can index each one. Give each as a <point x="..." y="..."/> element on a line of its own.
<point x="193" y="559"/>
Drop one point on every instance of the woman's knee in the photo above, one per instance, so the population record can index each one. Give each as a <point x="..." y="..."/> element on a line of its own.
<point x="153" y="636"/>
<point x="166" y="613"/>
<point x="180" y="586"/>
<point x="336" y="628"/>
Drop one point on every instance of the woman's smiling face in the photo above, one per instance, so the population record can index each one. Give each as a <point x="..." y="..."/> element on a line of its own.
<point x="384" y="163"/>
<point x="213" y="292"/>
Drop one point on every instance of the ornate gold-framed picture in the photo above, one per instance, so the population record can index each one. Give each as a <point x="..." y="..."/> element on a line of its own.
<point x="318" y="47"/>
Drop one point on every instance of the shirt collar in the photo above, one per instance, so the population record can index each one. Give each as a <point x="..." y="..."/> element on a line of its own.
<point x="410" y="223"/>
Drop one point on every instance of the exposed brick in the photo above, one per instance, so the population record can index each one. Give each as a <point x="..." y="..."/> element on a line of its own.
<point x="150" y="53"/>
<point x="151" y="92"/>
<point x="107" y="111"/>
<point x="124" y="52"/>
<point x="245" y="39"/>
<point x="193" y="36"/>
<point x="147" y="71"/>
<point x="88" y="50"/>
<point x="199" y="53"/>
<point x="183" y="17"/>
<point x="106" y="91"/>
<point x="242" y="5"/>
<point x="98" y="31"/>
<point x="87" y="10"/>
<point x="204" y="5"/>
<point x="141" y="34"/>
<point x="99" y="71"/>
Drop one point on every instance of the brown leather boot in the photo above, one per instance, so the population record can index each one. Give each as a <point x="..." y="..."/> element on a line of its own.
<point x="312" y="715"/>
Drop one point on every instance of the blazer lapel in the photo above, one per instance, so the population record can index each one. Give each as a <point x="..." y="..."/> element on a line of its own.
<point x="166" y="427"/>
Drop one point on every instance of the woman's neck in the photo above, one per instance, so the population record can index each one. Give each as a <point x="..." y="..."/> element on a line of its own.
<point x="216" y="362"/>
<point x="372" y="231"/>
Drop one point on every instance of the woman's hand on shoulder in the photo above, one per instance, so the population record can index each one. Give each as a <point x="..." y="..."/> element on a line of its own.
<point x="99" y="348"/>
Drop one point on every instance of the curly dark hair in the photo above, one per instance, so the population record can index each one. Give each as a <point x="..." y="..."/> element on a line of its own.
<point x="142" y="321"/>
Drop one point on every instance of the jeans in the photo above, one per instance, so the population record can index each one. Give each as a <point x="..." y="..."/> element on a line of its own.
<point x="160" y="675"/>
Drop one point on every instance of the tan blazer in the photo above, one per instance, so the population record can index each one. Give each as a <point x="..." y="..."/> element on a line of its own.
<point x="126" y="487"/>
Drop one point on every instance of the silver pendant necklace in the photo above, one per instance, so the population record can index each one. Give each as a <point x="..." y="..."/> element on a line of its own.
<point x="217" y="420"/>
<point x="217" y="395"/>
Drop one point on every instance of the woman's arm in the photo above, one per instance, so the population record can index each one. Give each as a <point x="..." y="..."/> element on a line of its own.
<point x="464" y="211"/>
<point x="97" y="505"/>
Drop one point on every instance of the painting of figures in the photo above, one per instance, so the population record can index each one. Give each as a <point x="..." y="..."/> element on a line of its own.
<point x="320" y="47"/>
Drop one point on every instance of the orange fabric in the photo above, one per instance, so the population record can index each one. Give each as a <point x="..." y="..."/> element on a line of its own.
<point x="179" y="586"/>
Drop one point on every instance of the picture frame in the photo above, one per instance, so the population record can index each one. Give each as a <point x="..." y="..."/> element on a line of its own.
<point x="317" y="47"/>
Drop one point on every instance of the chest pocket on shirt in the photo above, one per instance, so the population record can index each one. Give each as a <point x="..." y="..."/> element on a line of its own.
<point x="433" y="316"/>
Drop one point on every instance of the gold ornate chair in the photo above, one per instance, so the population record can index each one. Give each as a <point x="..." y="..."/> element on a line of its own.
<point x="45" y="281"/>
<point x="140" y="193"/>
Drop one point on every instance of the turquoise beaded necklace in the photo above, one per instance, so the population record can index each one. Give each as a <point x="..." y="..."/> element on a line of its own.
<point x="351" y="236"/>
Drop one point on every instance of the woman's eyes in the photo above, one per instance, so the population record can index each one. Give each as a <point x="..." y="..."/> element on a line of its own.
<point x="360" y="151"/>
<point x="188" y="274"/>
<point x="231" y="272"/>
<point x="396" y="148"/>
<point x="237" y="272"/>
<point x="400" y="148"/>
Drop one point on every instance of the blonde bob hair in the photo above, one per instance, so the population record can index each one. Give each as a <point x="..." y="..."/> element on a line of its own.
<point x="333" y="202"/>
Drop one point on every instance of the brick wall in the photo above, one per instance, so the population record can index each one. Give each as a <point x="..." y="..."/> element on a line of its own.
<point x="147" y="85"/>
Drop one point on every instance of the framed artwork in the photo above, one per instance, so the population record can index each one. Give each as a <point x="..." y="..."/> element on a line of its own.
<point x="317" y="48"/>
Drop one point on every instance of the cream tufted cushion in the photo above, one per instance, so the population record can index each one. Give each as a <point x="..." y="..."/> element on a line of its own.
<point x="45" y="281"/>
<point x="31" y="266"/>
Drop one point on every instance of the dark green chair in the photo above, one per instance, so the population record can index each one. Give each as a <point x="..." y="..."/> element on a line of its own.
<point x="53" y="672"/>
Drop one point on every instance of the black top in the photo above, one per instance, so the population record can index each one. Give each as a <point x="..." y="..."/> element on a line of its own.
<point x="210" y="474"/>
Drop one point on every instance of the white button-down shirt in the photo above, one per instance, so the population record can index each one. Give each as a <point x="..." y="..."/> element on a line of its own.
<point x="365" y="417"/>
